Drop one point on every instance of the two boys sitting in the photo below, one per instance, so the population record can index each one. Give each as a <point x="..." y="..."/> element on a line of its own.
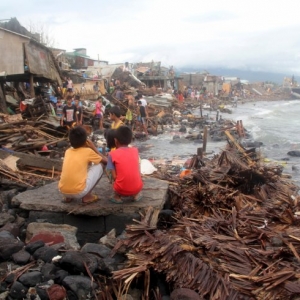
<point x="82" y="167"/>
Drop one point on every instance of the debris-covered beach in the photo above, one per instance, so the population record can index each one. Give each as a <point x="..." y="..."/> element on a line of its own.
<point x="219" y="159"/>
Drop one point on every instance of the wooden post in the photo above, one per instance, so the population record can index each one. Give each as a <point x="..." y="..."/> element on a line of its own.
<point x="201" y="115"/>
<point x="204" y="139"/>
<point x="32" y="94"/>
<point x="242" y="129"/>
<point x="3" y="106"/>
<point x="217" y="116"/>
<point x="200" y="153"/>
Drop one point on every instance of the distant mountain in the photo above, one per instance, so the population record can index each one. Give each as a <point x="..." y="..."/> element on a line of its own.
<point x="251" y="76"/>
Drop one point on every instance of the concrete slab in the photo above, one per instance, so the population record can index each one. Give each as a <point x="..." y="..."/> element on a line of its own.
<point x="49" y="199"/>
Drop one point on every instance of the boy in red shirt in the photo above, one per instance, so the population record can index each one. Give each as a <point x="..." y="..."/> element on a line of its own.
<point x="125" y="167"/>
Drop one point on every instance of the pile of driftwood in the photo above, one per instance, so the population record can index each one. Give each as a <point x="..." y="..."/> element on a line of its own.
<point x="235" y="233"/>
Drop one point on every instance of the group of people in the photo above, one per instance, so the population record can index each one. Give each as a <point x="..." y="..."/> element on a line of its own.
<point x="83" y="165"/>
<point x="71" y="113"/>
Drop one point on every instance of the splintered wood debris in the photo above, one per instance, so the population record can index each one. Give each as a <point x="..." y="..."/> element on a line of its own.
<point x="235" y="233"/>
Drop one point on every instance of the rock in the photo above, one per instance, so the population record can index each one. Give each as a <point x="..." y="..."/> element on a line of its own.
<point x="81" y="286"/>
<point x="18" y="290"/>
<point x="3" y="287"/>
<point x="182" y="129"/>
<point x="42" y="293"/>
<point x="45" y="254"/>
<point x="8" y="247"/>
<point x="12" y="228"/>
<point x="21" y="258"/>
<point x="6" y="234"/>
<point x="32" y="247"/>
<point x="57" y="292"/>
<point x="100" y="249"/>
<point x="180" y="141"/>
<point x="184" y="294"/>
<point x="53" y="233"/>
<point x="74" y="262"/>
<point x="60" y="275"/>
<point x="285" y="159"/>
<point x="295" y="168"/>
<point x="294" y="153"/>
<point x="6" y="218"/>
<point x="110" y="264"/>
<point x="31" y="278"/>
<point x="135" y="293"/>
<point x="10" y="278"/>
<point x="175" y="137"/>
<point x="6" y="196"/>
<point x="20" y="221"/>
<point x="110" y="239"/>
<point x="276" y="146"/>
<point x="49" y="270"/>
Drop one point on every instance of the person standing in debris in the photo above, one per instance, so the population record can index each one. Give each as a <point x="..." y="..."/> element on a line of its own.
<point x="81" y="169"/>
<point x="180" y="98"/>
<point x="96" y="87"/>
<point x="59" y="107"/>
<point x="235" y="100"/>
<point x="82" y="89"/>
<point x="98" y="112"/>
<point x="115" y="115"/>
<point x="125" y="168"/>
<point x="111" y="87"/>
<point x="129" y="114"/>
<point x="69" y="113"/>
<point x="70" y="85"/>
<point x="79" y="113"/>
<point x="142" y="116"/>
<point x="119" y="93"/>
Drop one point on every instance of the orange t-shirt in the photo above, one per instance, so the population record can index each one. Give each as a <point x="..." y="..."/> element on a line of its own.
<point x="75" y="167"/>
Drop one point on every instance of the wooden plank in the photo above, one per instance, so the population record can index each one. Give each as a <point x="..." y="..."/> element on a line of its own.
<point x="239" y="147"/>
<point x="34" y="160"/>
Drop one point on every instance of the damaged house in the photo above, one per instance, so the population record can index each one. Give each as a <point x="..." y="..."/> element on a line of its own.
<point x="153" y="74"/>
<point x="23" y="59"/>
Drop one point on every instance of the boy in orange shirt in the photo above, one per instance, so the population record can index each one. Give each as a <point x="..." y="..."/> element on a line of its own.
<point x="81" y="169"/>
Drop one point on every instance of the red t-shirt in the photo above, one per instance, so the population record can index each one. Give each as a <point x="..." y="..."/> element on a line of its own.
<point x="126" y="163"/>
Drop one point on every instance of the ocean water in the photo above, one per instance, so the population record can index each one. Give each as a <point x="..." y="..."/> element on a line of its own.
<point x="274" y="123"/>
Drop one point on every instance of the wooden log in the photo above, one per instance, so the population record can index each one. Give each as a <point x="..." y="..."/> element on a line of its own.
<point x="34" y="160"/>
<point x="204" y="139"/>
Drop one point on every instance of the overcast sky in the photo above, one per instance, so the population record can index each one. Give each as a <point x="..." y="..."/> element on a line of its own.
<point x="261" y="35"/>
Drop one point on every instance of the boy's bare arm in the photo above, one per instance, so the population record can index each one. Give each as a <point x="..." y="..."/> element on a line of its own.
<point x="91" y="145"/>
<point x="114" y="175"/>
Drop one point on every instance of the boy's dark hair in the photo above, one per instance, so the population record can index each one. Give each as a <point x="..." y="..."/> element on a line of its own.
<point x="69" y="97"/>
<point x="115" y="110"/>
<point x="124" y="135"/>
<point x="77" y="137"/>
<point x="110" y="135"/>
<point x="77" y="97"/>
